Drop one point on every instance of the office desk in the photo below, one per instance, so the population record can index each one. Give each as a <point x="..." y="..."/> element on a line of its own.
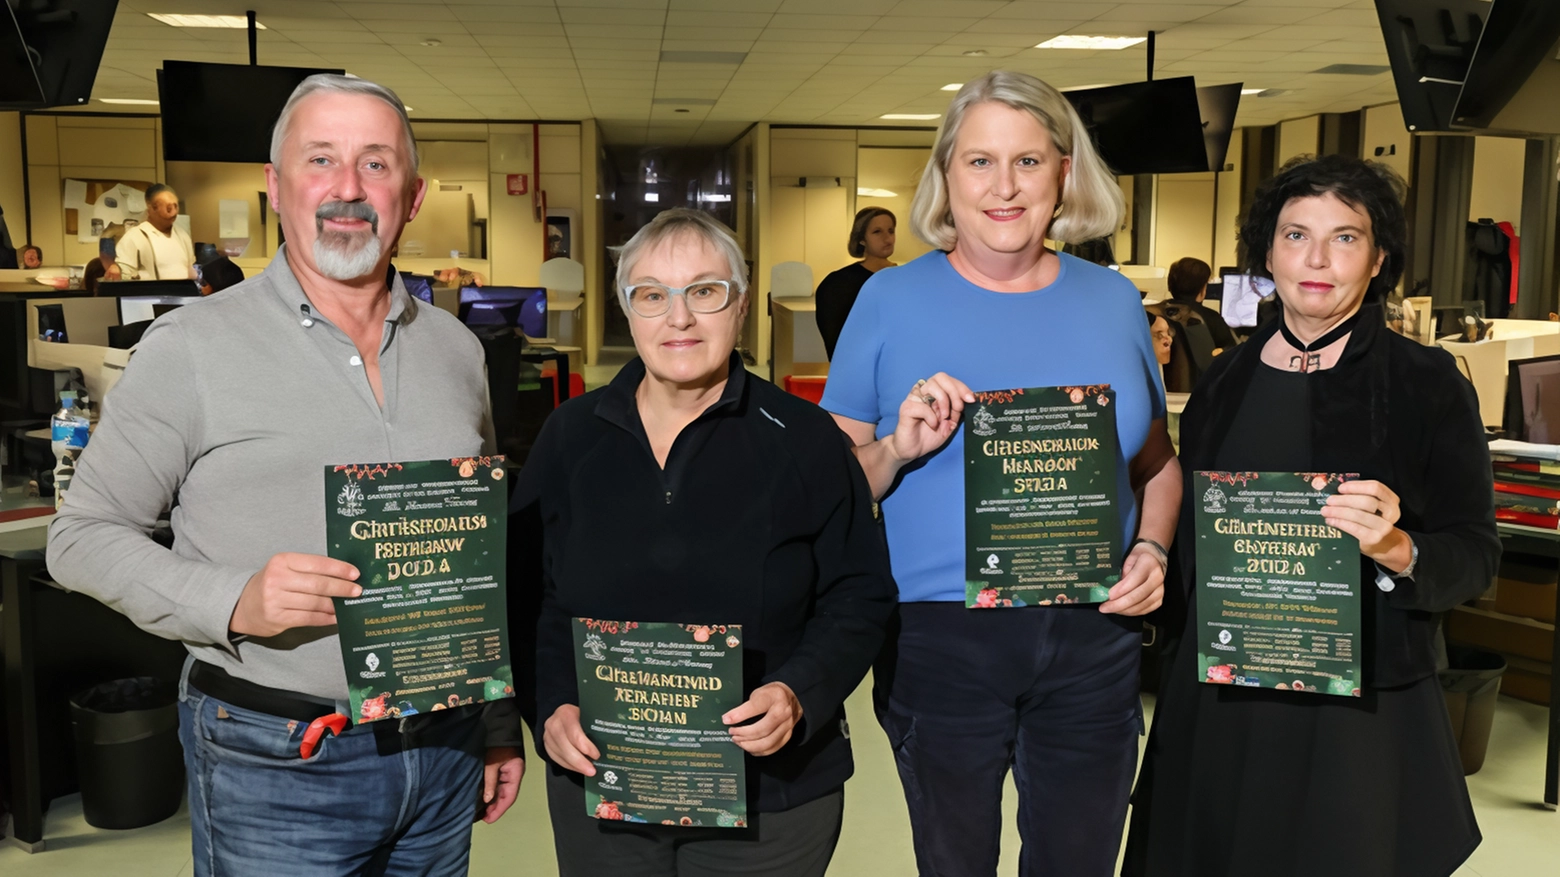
<point x="1536" y="540"/>
<point x="795" y="346"/>
<point x="56" y="643"/>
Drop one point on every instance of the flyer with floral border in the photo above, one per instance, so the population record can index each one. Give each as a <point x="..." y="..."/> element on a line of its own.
<point x="1278" y="590"/>
<point x="1040" y="523"/>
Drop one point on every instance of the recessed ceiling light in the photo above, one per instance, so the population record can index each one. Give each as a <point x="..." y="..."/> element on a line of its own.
<point x="1252" y="90"/>
<point x="653" y="197"/>
<point x="432" y="43"/>
<point x="952" y="86"/>
<point x="975" y="53"/>
<point x="1080" y="41"/>
<point x="911" y="117"/>
<point x="232" y="21"/>
<point x="680" y="110"/>
<point x="127" y="100"/>
<point x="407" y="108"/>
<point x="1086" y="87"/>
<point x="868" y="192"/>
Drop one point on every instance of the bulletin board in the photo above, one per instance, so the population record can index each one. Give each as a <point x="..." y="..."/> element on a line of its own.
<point x="97" y="209"/>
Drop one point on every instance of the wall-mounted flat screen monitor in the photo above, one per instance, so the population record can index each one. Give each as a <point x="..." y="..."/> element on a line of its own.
<point x="136" y="308"/>
<point x="1158" y="127"/>
<point x="49" y="52"/>
<point x="223" y="112"/>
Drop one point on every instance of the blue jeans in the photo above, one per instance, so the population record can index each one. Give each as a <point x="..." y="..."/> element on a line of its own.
<point x="376" y="800"/>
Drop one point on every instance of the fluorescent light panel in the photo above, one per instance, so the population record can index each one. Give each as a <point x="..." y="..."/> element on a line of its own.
<point x="127" y="100"/>
<point x="911" y="117"/>
<point x="1252" y="90"/>
<point x="952" y="86"/>
<point x="869" y="192"/>
<point x="238" y="22"/>
<point x="1080" y="41"/>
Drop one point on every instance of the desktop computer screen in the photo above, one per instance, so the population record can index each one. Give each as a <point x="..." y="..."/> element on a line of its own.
<point x="1240" y="296"/>
<point x="501" y="306"/>
<point x="137" y="308"/>
<point x="1533" y="400"/>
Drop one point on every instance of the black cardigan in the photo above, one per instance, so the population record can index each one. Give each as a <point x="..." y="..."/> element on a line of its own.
<point x="1396" y="412"/>
<point x="761" y="517"/>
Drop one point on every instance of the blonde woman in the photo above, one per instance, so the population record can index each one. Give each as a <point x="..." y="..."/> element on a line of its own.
<point x="1048" y="691"/>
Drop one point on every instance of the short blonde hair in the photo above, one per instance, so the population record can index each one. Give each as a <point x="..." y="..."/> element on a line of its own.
<point x="1091" y="204"/>
<point x="669" y="224"/>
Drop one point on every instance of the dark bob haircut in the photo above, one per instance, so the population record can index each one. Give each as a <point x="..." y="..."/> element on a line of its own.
<point x="858" y="229"/>
<point x="1187" y="278"/>
<point x="1367" y="186"/>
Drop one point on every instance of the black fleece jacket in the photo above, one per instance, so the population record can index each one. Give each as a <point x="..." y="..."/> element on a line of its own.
<point x="762" y="517"/>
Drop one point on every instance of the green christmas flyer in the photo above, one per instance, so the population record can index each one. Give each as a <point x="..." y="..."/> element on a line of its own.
<point x="429" y="630"/>
<point x="1040" y="519"/>
<point x="1278" y="590"/>
<point x="651" y="698"/>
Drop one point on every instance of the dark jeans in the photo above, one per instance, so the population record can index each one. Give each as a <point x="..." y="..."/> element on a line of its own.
<point x="351" y="809"/>
<point x="1050" y="692"/>
<point x="790" y="843"/>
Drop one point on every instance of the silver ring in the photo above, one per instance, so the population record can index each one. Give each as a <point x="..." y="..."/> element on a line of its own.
<point x="929" y="399"/>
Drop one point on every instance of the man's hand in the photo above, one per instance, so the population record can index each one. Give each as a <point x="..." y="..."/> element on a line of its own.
<point x="501" y="775"/>
<point x="780" y="709"/>
<point x="293" y="590"/>
<point x="566" y="743"/>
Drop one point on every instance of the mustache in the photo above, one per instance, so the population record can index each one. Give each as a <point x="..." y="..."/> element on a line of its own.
<point x="347" y="210"/>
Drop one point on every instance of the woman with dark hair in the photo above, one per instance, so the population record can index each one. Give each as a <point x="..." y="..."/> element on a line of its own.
<point x="871" y="241"/>
<point x="1371" y="783"/>
<point x="1188" y="285"/>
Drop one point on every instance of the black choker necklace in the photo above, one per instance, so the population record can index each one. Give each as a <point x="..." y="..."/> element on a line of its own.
<point x="1310" y="356"/>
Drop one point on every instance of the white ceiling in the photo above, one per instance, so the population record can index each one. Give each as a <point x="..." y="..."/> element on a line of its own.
<point x="833" y="62"/>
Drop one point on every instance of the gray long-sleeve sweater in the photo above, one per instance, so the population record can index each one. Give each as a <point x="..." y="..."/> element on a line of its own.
<point x="228" y="413"/>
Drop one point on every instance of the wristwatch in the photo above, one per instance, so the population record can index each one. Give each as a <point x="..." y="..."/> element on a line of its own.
<point x="1413" y="561"/>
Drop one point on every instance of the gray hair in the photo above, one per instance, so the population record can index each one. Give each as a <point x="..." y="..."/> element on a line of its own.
<point x="1091" y="204"/>
<point x="337" y="84"/>
<point x="669" y="224"/>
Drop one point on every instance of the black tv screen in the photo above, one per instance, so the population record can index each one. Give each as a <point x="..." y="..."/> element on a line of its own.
<point x="50" y="50"/>
<point x="223" y="112"/>
<point x="1151" y="127"/>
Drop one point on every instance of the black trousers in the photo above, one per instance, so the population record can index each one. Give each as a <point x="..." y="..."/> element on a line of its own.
<point x="790" y="843"/>
<point x="1051" y="693"/>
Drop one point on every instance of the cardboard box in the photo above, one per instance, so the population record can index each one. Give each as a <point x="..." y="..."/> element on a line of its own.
<point x="1499" y="632"/>
<point x="1534" y="600"/>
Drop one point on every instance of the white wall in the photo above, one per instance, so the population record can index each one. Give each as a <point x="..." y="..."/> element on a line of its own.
<point x="1384" y="129"/>
<point x="1184" y="218"/>
<point x="1299" y="137"/>
<point x="1497" y="180"/>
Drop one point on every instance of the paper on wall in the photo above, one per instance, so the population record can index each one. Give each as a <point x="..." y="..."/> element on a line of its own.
<point x="75" y="195"/>
<point x="232" y="219"/>
<point x="182" y="221"/>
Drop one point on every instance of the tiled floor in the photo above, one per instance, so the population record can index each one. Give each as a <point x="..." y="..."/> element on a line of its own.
<point x="1521" y="838"/>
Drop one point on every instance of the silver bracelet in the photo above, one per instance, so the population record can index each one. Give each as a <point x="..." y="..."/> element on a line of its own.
<point x="1164" y="555"/>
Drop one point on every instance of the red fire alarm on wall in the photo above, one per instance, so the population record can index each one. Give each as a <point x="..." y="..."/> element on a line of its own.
<point x="518" y="184"/>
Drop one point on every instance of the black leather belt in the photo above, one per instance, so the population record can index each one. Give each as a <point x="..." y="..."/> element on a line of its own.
<point x="212" y="680"/>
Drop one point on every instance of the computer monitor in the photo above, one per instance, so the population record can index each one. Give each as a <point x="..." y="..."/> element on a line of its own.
<point x="137" y="308"/>
<point x="1533" y="400"/>
<point x="418" y="286"/>
<point x="51" y="323"/>
<point x="1240" y="296"/>
<point x="495" y="305"/>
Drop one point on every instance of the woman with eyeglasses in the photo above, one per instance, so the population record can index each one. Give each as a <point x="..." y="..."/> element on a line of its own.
<point x="690" y="491"/>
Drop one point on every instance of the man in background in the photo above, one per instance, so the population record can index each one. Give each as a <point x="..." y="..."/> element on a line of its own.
<point x="157" y="249"/>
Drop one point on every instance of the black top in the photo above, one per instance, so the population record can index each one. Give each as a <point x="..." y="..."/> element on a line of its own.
<point x="1272" y="431"/>
<point x="836" y="296"/>
<point x="762" y="517"/>
<point x="1396" y="412"/>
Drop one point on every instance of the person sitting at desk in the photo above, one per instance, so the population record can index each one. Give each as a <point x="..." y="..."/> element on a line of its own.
<point x="102" y="268"/>
<point x="157" y="249"/>
<point x="871" y="241"/>
<point x="1188" y="285"/>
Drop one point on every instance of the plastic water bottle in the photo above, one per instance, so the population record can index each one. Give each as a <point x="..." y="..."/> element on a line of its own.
<point x="67" y="436"/>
